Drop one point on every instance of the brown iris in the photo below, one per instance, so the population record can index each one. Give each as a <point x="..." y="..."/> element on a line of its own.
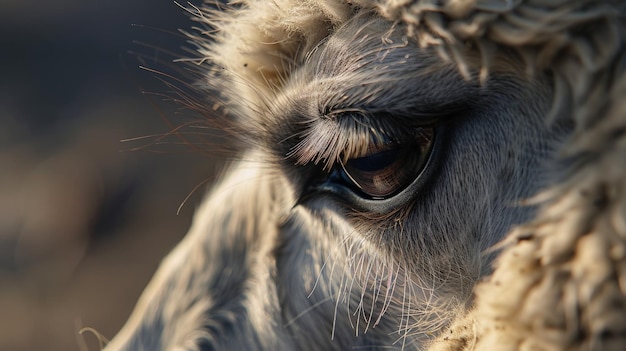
<point x="389" y="167"/>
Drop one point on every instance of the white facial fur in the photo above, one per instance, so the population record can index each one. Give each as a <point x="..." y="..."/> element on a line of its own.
<point x="265" y="267"/>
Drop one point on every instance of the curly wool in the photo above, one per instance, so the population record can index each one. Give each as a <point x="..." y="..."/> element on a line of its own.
<point x="560" y="282"/>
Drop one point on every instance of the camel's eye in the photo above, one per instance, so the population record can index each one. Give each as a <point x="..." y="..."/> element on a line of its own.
<point x="388" y="167"/>
<point x="388" y="176"/>
<point x="384" y="177"/>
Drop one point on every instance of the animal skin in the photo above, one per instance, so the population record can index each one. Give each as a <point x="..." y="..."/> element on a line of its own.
<point x="417" y="175"/>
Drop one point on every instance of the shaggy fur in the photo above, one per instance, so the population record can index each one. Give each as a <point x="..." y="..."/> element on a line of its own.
<point x="526" y="100"/>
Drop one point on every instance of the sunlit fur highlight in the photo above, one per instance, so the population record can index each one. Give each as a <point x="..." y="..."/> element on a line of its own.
<point x="308" y="84"/>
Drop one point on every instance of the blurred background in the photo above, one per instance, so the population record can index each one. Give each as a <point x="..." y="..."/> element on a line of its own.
<point x="84" y="217"/>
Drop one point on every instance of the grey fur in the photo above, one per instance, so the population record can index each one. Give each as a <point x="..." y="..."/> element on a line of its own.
<point x="262" y="270"/>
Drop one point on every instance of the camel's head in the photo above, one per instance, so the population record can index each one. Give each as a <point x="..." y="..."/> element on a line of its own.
<point x="386" y="148"/>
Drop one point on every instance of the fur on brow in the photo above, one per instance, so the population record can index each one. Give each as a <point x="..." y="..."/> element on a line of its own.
<point x="350" y="84"/>
<point x="581" y="44"/>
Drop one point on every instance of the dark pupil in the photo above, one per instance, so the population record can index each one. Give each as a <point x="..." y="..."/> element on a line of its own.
<point x="375" y="162"/>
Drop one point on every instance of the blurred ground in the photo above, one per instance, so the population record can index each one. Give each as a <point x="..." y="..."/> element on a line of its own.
<point x="83" y="223"/>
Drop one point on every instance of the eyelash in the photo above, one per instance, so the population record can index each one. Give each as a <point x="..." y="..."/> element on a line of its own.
<point x="328" y="141"/>
<point x="382" y="172"/>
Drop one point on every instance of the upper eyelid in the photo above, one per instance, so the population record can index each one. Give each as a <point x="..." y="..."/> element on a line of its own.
<point x="352" y="137"/>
